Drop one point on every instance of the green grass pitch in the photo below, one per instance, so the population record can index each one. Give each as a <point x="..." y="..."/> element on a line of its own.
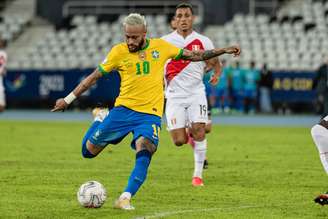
<point x="254" y="172"/>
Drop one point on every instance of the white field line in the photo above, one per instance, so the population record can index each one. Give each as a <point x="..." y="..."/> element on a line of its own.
<point x="170" y="213"/>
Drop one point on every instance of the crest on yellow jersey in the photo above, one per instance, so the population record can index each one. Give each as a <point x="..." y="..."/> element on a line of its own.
<point x="155" y="54"/>
<point x="142" y="55"/>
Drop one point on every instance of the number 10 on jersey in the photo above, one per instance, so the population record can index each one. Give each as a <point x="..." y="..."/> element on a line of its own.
<point x="143" y="68"/>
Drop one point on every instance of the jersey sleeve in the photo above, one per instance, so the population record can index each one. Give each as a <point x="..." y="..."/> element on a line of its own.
<point x="110" y="62"/>
<point x="173" y="52"/>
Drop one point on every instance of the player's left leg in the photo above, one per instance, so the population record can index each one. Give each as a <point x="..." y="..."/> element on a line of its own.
<point x="198" y="133"/>
<point x="198" y="116"/>
<point x="319" y="134"/>
<point x="208" y="129"/>
<point x="145" y="141"/>
<point x="144" y="151"/>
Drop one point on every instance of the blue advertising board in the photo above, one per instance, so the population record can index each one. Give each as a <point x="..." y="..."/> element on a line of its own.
<point x="290" y="87"/>
<point x="50" y="85"/>
<point x="293" y="87"/>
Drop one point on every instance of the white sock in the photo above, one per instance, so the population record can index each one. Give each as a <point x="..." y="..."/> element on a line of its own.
<point x="125" y="195"/>
<point x="320" y="138"/>
<point x="199" y="157"/>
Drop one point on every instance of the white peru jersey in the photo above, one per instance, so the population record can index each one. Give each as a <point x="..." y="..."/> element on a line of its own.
<point x="183" y="77"/>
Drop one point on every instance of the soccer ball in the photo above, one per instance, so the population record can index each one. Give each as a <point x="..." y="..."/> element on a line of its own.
<point x="91" y="194"/>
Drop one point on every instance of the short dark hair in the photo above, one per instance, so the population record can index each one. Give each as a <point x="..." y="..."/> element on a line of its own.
<point x="185" y="5"/>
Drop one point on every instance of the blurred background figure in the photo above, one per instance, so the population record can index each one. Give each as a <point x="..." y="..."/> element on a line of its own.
<point x="210" y="90"/>
<point x="3" y="62"/>
<point x="222" y="89"/>
<point x="252" y="77"/>
<point x="265" y="88"/>
<point x="321" y="86"/>
<point x="237" y="81"/>
<point x="173" y="23"/>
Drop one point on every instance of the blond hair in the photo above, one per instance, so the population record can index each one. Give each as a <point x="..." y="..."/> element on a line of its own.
<point x="134" y="19"/>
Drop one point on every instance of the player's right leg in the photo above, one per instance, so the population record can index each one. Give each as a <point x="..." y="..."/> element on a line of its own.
<point x="175" y="113"/>
<point x="101" y="133"/>
<point x="90" y="150"/>
<point x="319" y="134"/>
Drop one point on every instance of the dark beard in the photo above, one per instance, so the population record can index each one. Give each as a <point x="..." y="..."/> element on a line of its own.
<point x="139" y="47"/>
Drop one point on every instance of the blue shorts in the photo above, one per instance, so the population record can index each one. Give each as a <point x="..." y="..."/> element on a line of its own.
<point x="120" y="122"/>
<point x="250" y="93"/>
<point x="222" y="92"/>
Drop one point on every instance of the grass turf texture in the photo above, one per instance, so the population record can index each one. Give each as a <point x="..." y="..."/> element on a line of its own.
<point x="254" y="172"/>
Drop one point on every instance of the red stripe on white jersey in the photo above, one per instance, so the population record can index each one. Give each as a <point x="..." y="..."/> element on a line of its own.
<point x="174" y="67"/>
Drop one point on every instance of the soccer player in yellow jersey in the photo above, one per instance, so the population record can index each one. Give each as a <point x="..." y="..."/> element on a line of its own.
<point x="138" y="108"/>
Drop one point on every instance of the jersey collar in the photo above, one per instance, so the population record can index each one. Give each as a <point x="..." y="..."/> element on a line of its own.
<point x="146" y="46"/>
<point x="191" y="34"/>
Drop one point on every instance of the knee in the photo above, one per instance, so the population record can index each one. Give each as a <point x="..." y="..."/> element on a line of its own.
<point x="199" y="135"/>
<point x="179" y="141"/>
<point x="2" y="108"/>
<point x="208" y="128"/>
<point x="86" y="152"/>
<point x="144" y="144"/>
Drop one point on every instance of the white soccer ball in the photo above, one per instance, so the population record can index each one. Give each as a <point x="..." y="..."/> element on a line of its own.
<point x="92" y="194"/>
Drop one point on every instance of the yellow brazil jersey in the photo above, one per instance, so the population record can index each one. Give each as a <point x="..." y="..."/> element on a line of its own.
<point x="141" y="74"/>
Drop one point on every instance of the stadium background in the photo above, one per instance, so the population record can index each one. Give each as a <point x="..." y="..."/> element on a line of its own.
<point x="260" y="166"/>
<point x="52" y="45"/>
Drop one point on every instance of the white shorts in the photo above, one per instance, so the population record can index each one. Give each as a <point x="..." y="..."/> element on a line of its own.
<point x="183" y="111"/>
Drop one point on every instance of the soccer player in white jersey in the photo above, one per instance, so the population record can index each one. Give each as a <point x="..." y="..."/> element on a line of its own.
<point x="3" y="62"/>
<point x="319" y="134"/>
<point x="185" y="92"/>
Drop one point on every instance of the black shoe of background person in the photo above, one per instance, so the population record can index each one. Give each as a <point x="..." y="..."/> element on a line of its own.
<point x="205" y="166"/>
<point x="322" y="199"/>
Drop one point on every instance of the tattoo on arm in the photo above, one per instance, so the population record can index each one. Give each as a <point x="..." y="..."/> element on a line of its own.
<point x="86" y="83"/>
<point x="202" y="55"/>
<point x="208" y="54"/>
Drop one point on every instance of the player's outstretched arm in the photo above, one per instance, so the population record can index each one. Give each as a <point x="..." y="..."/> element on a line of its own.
<point x="85" y="84"/>
<point x="200" y="55"/>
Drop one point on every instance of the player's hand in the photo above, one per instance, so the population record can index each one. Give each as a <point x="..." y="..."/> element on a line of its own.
<point x="235" y="50"/>
<point x="214" y="80"/>
<point x="60" y="105"/>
